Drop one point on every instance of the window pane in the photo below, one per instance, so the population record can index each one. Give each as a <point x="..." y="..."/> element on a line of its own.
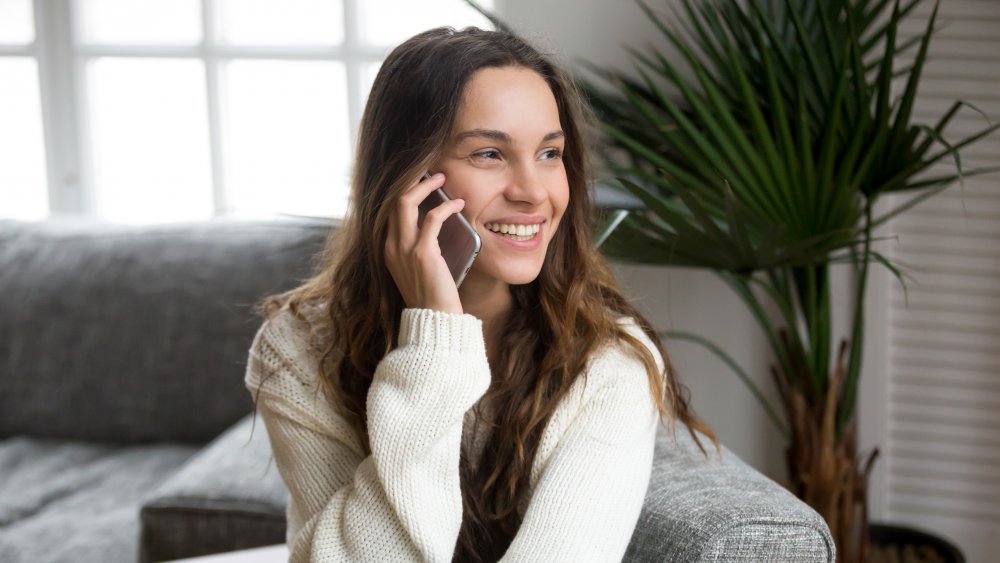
<point x="149" y="126"/>
<point x="17" y="23"/>
<point x="23" y="193"/>
<point x="144" y="22"/>
<point x="281" y="22"/>
<point x="388" y="22"/>
<point x="287" y="136"/>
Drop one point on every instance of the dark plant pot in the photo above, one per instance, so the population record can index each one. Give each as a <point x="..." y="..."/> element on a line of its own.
<point x="901" y="541"/>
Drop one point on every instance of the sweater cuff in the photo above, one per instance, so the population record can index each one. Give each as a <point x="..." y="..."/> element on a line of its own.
<point x="435" y="329"/>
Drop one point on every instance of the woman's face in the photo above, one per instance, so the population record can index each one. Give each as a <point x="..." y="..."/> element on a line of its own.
<point x="505" y="160"/>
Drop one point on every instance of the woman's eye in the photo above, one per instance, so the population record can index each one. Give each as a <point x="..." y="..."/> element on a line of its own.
<point x="489" y="155"/>
<point x="551" y="154"/>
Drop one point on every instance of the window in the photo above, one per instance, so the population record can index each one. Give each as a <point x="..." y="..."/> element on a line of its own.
<point x="143" y="111"/>
<point x="22" y="153"/>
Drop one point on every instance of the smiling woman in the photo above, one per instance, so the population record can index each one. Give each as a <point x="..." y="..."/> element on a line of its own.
<point x="505" y="163"/>
<point x="510" y="419"/>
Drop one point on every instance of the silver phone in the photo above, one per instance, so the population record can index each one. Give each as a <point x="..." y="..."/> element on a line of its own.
<point x="459" y="241"/>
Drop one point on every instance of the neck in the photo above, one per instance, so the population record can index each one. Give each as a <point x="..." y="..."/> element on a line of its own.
<point x="488" y="299"/>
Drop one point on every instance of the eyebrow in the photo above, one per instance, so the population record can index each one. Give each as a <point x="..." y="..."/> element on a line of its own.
<point x="500" y="136"/>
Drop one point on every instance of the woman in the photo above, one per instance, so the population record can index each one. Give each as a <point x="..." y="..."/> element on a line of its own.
<point x="511" y="418"/>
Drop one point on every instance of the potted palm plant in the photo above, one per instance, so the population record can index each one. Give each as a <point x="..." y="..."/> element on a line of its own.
<point x="759" y="150"/>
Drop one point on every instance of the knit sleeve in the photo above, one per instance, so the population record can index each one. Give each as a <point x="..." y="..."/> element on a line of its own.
<point x="403" y="502"/>
<point x="590" y="492"/>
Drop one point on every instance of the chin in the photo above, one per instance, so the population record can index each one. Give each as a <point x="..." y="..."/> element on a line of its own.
<point x="514" y="274"/>
<point x="521" y="279"/>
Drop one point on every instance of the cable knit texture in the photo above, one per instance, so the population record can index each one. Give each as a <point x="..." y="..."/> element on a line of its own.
<point x="403" y="502"/>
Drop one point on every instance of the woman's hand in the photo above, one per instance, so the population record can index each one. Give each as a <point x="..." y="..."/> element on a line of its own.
<point x="413" y="255"/>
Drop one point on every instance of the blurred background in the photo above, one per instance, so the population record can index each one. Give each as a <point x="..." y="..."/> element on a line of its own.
<point x="158" y="111"/>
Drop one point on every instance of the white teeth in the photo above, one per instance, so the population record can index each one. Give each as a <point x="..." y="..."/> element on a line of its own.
<point x="517" y="232"/>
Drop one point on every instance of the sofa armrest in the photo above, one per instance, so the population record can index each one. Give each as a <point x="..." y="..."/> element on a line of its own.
<point x="721" y="509"/>
<point x="228" y="496"/>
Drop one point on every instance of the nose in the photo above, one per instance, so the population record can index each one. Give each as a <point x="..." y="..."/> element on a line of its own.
<point x="525" y="186"/>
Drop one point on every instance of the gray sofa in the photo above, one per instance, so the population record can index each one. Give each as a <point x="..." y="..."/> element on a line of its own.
<point x="126" y="433"/>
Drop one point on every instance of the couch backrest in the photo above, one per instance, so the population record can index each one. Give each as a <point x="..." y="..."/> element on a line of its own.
<point x="133" y="334"/>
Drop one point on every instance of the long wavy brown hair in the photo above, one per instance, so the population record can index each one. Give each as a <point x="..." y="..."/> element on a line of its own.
<point x="555" y="322"/>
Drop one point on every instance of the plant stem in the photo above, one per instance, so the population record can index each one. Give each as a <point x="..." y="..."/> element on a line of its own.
<point x="847" y="399"/>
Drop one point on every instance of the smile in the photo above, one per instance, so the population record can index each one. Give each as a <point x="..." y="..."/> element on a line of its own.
<point x="517" y="232"/>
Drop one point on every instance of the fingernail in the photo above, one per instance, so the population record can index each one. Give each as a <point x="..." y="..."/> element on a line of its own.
<point x="438" y="175"/>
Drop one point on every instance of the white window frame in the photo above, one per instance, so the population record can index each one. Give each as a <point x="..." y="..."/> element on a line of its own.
<point x="37" y="50"/>
<point x="62" y="61"/>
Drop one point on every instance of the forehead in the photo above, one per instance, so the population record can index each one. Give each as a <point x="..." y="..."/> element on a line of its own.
<point x="515" y="100"/>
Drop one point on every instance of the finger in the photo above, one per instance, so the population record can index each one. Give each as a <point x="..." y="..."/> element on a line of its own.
<point x="419" y="191"/>
<point x="427" y="174"/>
<point x="436" y="217"/>
<point x="424" y="186"/>
<point x="408" y="208"/>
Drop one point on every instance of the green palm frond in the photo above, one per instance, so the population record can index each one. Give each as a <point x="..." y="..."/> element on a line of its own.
<point x="759" y="144"/>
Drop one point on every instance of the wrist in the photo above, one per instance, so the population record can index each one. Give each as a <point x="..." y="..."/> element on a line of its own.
<point x="441" y="329"/>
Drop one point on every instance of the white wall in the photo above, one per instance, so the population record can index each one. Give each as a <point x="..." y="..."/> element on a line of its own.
<point x="682" y="299"/>
<point x="594" y="30"/>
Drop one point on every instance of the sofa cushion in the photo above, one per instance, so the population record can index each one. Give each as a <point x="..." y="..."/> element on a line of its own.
<point x="67" y="502"/>
<point x="134" y="334"/>
<point x="227" y="497"/>
<point x="720" y="509"/>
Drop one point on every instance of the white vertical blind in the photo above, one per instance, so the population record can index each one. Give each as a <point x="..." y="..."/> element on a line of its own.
<point x="942" y="450"/>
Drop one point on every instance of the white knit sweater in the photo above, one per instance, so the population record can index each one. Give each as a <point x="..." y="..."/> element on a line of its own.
<point x="403" y="502"/>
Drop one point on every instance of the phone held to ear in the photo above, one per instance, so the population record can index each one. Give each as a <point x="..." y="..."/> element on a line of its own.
<point x="459" y="241"/>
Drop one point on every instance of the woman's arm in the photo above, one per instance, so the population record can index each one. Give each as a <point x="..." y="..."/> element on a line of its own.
<point x="403" y="502"/>
<point x="589" y="494"/>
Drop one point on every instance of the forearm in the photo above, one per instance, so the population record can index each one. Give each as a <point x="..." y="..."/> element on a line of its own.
<point x="403" y="502"/>
<point x="416" y="407"/>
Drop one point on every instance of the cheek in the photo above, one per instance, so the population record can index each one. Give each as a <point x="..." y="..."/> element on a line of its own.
<point x="477" y="196"/>
<point x="462" y="186"/>
<point x="559" y="197"/>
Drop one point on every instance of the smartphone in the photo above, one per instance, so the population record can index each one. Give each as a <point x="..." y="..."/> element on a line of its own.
<point x="459" y="241"/>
